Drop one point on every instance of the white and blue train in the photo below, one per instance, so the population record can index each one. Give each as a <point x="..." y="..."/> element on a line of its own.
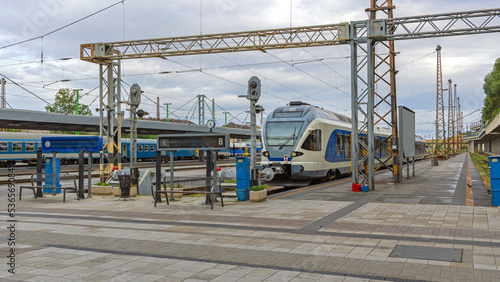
<point x="243" y="148"/>
<point x="303" y="143"/>
<point x="21" y="147"/>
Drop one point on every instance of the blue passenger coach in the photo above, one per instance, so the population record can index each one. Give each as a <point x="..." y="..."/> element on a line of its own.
<point x="21" y="147"/>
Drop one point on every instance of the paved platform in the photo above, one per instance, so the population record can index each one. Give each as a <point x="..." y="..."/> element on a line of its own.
<point x="434" y="227"/>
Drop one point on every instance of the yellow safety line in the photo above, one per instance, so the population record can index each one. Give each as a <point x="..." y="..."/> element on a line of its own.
<point x="469" y="198"/>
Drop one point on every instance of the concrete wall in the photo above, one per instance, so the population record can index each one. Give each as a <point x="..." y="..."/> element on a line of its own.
<point x="476" y="147"/>
<point x="493" y="145"/>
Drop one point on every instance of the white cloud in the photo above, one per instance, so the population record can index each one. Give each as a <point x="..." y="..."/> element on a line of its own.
<point x="466" y="59"/>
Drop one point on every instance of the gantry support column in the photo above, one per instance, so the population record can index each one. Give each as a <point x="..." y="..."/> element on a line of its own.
<point x="109" y="101"/>
<point x="375" y="73"/>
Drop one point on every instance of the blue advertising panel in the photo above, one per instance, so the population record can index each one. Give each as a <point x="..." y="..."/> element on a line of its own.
<point x="71" y="144"/>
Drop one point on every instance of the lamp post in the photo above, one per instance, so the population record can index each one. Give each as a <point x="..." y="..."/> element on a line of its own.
<point x="225" y="118"/>
<point x="78" y="105"/>
<point x="78" y="101"/>
<point x="166" y="104"/>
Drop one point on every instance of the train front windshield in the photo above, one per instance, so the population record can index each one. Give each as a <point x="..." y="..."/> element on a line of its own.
<point x="282" y="133"/>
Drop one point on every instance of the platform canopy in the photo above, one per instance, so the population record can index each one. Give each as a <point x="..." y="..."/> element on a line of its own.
<point x="35" y="120"/>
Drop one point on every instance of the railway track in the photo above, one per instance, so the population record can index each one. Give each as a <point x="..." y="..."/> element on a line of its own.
<point x="23" y="172"/>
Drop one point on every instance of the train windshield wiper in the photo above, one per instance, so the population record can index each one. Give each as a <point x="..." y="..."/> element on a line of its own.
<point x="288" y="139"/>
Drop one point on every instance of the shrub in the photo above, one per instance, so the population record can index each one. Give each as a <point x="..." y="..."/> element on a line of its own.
<point x="176" y="185"/>
<point x="259" y="187"/>
<point x="102" y="184"/>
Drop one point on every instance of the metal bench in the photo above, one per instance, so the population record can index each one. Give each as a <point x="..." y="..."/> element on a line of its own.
<point x="212" y="194"/>
<point x="37" y="177"/>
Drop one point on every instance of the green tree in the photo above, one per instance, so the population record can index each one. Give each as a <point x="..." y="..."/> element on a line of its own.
<point x="65" y="102"/>
<point x="491" y="87"/>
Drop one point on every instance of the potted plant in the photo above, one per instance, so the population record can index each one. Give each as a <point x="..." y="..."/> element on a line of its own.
<point x="102" y="188"/>
<point x="177" y="187"/>
<point x="258" y="193"/>
<point x="131" y="191"/>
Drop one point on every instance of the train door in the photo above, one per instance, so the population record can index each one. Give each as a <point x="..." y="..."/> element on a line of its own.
<point x="347" y="146"/>
<point x="124" y="151"/>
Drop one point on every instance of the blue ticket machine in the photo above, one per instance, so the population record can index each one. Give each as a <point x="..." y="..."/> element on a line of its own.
<point x="242" y="178"/>
<point x="49" y="170"/>
<point x="495" y="180"/>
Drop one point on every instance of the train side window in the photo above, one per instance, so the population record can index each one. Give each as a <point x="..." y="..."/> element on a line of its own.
<point x="339" y="144"/>
<point x="146" y="148"/>
<point x="4" y="146"/>
<point x="313" y="141"/>
<point x="140" y="148"/>
<point x="17" y="146"/>
<point x="152" y="148"/>
<point x="30" y="146"/>
<point x="124" y="148"/>
<point x="347" y="146"/>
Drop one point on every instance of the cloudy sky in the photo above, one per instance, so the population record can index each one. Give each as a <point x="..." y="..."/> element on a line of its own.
<point x="323" y="82"/>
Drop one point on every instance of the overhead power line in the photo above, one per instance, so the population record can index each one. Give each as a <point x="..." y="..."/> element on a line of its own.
<point x="63" y="27"/>
<point x="15" y="83"/>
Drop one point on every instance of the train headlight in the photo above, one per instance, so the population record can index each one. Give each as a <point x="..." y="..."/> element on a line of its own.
<point x="296" y="154"/>
<point x="265" y="154"/>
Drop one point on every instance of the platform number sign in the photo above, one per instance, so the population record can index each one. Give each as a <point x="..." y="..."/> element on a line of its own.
<point x="198" y="141"/>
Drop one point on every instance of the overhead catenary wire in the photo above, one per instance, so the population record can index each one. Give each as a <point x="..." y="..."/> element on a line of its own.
<point x="15" y="83"/>
<point x="282" y="85"/>
<point x="63" y="27"/>
<point x="333" y="86"/>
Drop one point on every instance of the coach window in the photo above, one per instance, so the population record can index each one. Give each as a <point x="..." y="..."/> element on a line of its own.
<point x="30" y="146"/>
<point x="146" y="148"/>
<point x="339" y="146"/>
<point x="313" y="141"/>
<point x="347" y="146"/>
<point x="152" y="148"/>
<point x="4" y="146"/>
<point x="140" y="148"/>
<point x="17" y="146"/>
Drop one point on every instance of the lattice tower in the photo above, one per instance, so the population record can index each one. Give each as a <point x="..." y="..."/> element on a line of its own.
<point x="454" y="124"/>
<point x="440" y="129"/>
<point x="384" y="85"/>
<point x="4" y="101"/>
<point x="449" y="121"/>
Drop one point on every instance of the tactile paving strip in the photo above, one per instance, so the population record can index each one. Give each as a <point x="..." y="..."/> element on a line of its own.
<point x="329" y="219"/>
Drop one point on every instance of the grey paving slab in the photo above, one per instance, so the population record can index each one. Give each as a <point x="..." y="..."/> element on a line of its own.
<point x="427" y="253"/>
<point x="102" y="239"/>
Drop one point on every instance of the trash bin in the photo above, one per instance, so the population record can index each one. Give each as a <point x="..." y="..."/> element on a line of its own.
<point x="495" y="179"/>
<point x="124" y="185"/>
<point x="434" y="161"/>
